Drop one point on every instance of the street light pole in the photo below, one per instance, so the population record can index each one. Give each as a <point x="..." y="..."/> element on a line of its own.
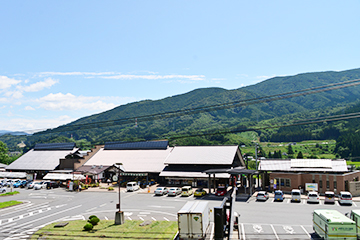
<point x="119" y="215"/>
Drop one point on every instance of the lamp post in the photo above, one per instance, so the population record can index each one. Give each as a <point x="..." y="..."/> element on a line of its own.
<point x="119" y="215"/>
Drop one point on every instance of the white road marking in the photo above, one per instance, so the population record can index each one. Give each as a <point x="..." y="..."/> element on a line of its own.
<point x="102" y="205"/>
<point x="129" y="218"/>
<point x="277" y="237"/>
<point x="91" y="209"/>
<point x="288" y="201"/>
<point x="289" y="229"/>
<point x="155" y="206"/>
<point x="354" y="204"/>
<point x="153" y="218"/>
<point x="141" y="219"/>
<point x="305" y="231"/>
<point x="337" y="203"/>
<point x="128" y="213"/>
<point x="106" y="218"/>
<point x="257" y="228"/>
<point x="243" y="231"/>
<point x="144" y="213"/>
<point x="304" y="201"/>
<point x="166" y="219"/>
<point x="320" y="203"/>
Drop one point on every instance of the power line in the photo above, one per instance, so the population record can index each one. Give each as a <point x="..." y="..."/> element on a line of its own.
<point x="192" y="111"/>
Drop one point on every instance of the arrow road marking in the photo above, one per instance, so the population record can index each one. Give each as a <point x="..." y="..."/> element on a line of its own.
<point x="257" y="228"/>
<point x="289" y="229"/>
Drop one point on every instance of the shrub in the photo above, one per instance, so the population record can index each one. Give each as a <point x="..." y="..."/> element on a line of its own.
<point x="92" y="216"/>
<point x="94" y="220"/>
<point x="110" y="188"/>
<point x="88" y="227"/>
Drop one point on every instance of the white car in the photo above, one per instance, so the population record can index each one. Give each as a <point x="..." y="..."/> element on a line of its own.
<point x="161" y="191"/>
<point x="174" y="191"/>
<point x="295" y="195"/>
<point x="2" y="190"/>
<point x="262" y="196"/>
<point x="39" y="185"/>
<point x="345" y="198"/>
<point x="31" y="185"/>
<point x="313" y="197"/>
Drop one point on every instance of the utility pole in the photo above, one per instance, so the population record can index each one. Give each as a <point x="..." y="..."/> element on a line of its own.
<point x="256" y="159"/>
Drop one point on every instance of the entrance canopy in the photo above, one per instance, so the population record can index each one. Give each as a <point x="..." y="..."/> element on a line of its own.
<point x="232" y="171"/>
<point x="63" y="176"/>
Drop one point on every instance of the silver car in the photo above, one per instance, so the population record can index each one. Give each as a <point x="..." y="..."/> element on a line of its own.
<point x="262" y="196"/>
<point x="174" y="191"/>
<point x="161" y="191"/>
<point x="313" y="197"/>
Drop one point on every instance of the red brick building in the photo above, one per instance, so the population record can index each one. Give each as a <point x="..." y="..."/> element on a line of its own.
<point x="288" y="174"/>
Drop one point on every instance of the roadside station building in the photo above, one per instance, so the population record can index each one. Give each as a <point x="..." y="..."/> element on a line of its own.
<point x="287" y="174"/>
<point x="43" y="158"/>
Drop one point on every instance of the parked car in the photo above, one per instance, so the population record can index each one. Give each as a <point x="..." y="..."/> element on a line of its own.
<point x="279" y="195"/>
<point x="30" y="185"/>
<point x="11" y="182"/>
<point x="329" y="197"/>
<point x="52" y="184"/>
<point x="345" y="198"/>
<point x="24" y="183"/>
<point x="2" y="190"/>
<point x="174" y="191"/>
<point x="161" y="191"/>
<point x="313" y="197"/>
<point x="39" y="185"/>
<point x="186" y="191"/>
<point x="199" y="192"/>
<point x="19" y="183"/>
<point x="295" y="195"/>
<point x="262" y="196"/>
<point x="221" y="191"/>
<point x="132" y="186"/>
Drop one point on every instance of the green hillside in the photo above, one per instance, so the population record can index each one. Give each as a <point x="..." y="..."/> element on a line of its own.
<point x="218" y="116"/>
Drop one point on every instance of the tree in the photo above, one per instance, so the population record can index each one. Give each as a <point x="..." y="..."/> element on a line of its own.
<point x="300" y="155"/>
<point x="290" y="150"/>
<point x="4" y="157"/>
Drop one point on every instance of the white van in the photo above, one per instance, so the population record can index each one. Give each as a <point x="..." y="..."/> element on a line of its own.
<point x="295" y="195"/>
<point x="132" y="186"/>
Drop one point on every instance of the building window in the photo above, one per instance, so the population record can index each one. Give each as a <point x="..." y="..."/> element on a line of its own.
<point x="320" y="184"/>
<point x="282" y="181"/>
<point x="335" y="185"/>
<point x="327" y="184"/>
<point x="287" y="182"/>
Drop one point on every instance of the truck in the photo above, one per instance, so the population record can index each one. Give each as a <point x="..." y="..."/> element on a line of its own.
<point x="331" y="224"/>
<point x="355" y="216"/>
<point x="193" y="220"/>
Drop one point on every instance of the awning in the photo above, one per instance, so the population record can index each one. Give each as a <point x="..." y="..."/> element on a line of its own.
<point x="179" y="174"/>
<point x="13" y="174"/>
<point x="63" y="177"/>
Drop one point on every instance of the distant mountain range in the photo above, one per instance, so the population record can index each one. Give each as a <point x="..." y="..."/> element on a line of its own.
<point x="212" y="110"/>
<point x="2" y="132"/>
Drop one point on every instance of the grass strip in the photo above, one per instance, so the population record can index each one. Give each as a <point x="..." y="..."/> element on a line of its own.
<point x="9" y="203"/>
<point x="107" y="230"/>
<point x="9" y="193"/>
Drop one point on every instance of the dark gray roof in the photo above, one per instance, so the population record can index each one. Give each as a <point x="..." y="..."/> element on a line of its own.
<point x="54" y="146"/>
<point x="136" y="145"/>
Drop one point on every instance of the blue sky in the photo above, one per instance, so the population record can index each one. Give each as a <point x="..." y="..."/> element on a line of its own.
<point x="62" y="60"/>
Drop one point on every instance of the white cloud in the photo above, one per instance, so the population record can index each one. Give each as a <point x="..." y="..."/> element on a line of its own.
<point x="38" y="86"/>
<point x="60" y="102"/>
<point x="34" y="125"/>
<point x="156" y="77"/>
<point x="218" y="79"/>
<point x="13" y="94"/>
<point x="74" y="73"/>
<point x="6" y="82"/>
<point x="29" y="108"/>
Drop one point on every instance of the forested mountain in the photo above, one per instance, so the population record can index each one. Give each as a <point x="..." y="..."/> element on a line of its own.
<point x="231" y="111"/>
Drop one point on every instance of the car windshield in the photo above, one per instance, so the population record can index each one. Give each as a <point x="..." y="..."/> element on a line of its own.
<point x="346" y="196"/>
<point x="199" y="190"/>
<point x="185" y="189"/>
<point x="312" y="195"/>
<point x="295" y="193"/>
<point x="278" y="193"/>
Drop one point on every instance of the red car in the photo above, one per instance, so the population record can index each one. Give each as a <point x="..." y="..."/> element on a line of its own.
<point x="221" y="191"/>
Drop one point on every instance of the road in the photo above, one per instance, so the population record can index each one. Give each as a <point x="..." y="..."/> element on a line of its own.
<point x="258" y="220"/>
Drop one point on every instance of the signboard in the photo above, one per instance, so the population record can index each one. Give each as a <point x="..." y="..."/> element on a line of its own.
<point x="311" y="187"/>
<point x="114" y="178"/>
<point x="134" y="174"/>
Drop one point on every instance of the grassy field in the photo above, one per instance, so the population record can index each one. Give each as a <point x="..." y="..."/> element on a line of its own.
<point x="107" y="230"/>
<point x="8" y="203"/>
